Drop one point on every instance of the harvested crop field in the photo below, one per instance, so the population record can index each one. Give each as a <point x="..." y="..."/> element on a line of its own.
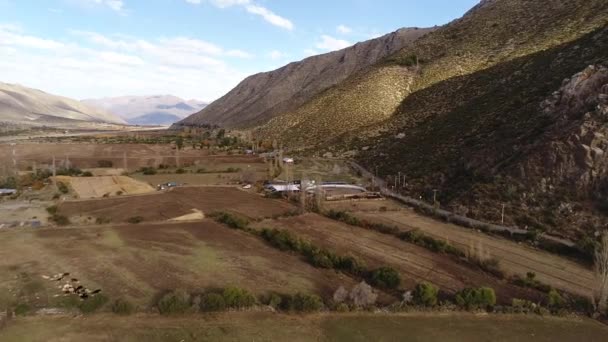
<point x="224" y="178"/>
<point x="140" y="261"/>
<point x="177" y="202"/>
<point x="514" y="258"/>
<point x="414" y="263"/>
<point x="255" y="326"/>
<point x="95" y="187"/>
<point x="88" y="155"/>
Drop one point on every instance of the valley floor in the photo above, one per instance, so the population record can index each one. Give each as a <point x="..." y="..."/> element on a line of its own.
<point x="253" y="326"/>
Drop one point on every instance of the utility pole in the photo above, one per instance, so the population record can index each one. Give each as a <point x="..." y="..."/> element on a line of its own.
<point x="399" y="179"/>
<point x="15" y="168"/>
<point x="502" y="215"/>
<point x="54" y="171"/>
<point x="435" y="196"/>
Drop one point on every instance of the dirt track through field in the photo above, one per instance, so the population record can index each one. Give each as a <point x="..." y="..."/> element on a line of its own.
<point x="514" y="258"/>
<point x="414" y="263"/>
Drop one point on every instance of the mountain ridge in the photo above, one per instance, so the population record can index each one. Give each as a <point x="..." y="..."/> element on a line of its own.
<point x="23" y="105"/>
<point x="262" y="96"/>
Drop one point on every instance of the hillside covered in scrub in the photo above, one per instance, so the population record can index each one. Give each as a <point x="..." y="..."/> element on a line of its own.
<point x="485" y="116"/>
<point x="505" y="105"/>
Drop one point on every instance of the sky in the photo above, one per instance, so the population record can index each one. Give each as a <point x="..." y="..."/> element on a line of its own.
<point x="195" y="49"/>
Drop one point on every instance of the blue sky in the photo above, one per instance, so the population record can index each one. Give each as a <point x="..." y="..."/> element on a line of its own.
<point x="189" y="48"/>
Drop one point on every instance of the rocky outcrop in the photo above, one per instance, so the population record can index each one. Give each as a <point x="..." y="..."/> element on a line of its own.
<point x="574" y="153"/>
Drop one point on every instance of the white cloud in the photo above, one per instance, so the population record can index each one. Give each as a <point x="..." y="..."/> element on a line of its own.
<point x="228" y="3"/>
<point x="344" y="29"/>
<point x="329" y="43"/>
<point x="270" y="16"/>
<point x="115" y="5"/>
<point x="275" y="54"/>
<point x="11" y="35"/>
<point x="252" y="8"/>
<point x="89" y="64"/>
<point x="120" y="59"/>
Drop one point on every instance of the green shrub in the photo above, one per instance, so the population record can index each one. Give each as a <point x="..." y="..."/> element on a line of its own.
<point x="555" y="300"/>
<point x="52" y="210"/>
<point x="175" y="302"/>
<point x="344" y="217"/>
<point x="60" y="219"/>
<point x="342" y="307"/>
<point x="135" y="219"/>
<point x="62" y="188"/>
<point x="522" y="305"/>
<point x="148" y="170"/>
<point x="93" y="303"/>
<point x="22" y="309"/>
<point x="87" y="174"/>
<point x="321" y="258"/>
<point x="122" y="307"/>
<point x="306" y="302"/>
<point x="281" y="239"/>
<point x="230" y="220"/>
<point x="531" y="282"/>
<point x="238" y="298"/>
<point x="212" y="302"/>
<point x="350" y="264"/>
<point x="386" y="277"/>
<point x="480" y="298"/>
<point x="425" y="294"/>
<point x="180" y="171"/>
<point x="273" y="300"/>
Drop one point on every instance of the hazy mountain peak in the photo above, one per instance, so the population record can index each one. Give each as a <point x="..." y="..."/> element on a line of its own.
<point x="149" y="109"/>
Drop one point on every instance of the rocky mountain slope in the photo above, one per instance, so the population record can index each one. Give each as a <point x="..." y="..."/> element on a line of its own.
<point x="481" y="39"/>
<point x="148" y="110"/>
<point x="528" y="133"/>
<point x="263" y="96"/>
<point x="26" y="106"/>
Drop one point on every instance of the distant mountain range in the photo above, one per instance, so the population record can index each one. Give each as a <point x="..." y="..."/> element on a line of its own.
<point x="148" y="110"/>
<point x="32" y="107"/>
